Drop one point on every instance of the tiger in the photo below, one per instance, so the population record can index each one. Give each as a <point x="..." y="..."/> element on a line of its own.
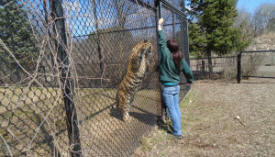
<point x="138" y="64"/>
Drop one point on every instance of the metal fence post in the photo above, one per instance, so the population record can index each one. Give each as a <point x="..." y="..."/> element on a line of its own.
<point x="239" y="68"/>
<point x="67" y="83"/>
<point x="157" y="17"/>
<point x="203" y="66"/>
<point x="173" y="22"/>
<point x="163" y="113"/>
<point x="186" y="39"/>
<point x="185" y="47"/>
<point x="98" y="40"/>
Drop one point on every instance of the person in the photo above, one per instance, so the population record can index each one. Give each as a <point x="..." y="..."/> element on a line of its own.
<point x="171" y="65"/>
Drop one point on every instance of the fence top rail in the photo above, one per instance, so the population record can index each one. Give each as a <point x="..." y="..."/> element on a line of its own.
<point x="212" y="57"/>
<point x="268" y="77"/>
<point x="166" y="5"/>
<point x="125" y="30"/>
<point x="144" y="4"/>
<point x="258" y="51"/>
<point x="169" y="6"/>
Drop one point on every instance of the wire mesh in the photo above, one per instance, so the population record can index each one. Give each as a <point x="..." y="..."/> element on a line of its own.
<point x="258" y="64"/>
<point x="48" y="70"/>
<point x="223" y="67"/>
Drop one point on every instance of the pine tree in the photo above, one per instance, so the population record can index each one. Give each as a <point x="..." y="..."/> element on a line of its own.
<point x="197" y="40"/>
<point x="215" y="19"/>
<point x="16" y="33"/>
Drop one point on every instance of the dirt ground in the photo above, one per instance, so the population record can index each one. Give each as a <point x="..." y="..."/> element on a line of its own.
<point x="220" y="119"/>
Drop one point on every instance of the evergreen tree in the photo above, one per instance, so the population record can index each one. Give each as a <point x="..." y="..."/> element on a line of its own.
<point x="215" y="19"/>
<point x="197" y="40"/>
<point x="16" y="33"/>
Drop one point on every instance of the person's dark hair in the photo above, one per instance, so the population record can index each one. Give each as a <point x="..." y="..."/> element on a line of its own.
<point x="173" y="46"/>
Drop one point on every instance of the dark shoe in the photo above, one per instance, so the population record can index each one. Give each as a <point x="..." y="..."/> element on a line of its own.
<point x="178" y="136"/>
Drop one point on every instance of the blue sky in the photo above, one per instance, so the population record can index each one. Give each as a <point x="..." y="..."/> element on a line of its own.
<point x="252" y="5"/>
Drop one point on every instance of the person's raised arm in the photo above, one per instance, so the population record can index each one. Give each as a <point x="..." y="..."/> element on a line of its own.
<point x="161" y="37"/>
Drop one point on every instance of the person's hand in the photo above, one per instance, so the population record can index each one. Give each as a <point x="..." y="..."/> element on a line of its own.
<point x="160" y="22"/>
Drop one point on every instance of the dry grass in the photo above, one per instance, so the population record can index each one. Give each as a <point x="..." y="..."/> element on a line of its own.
<point x="221" y="119"/>
<point x="33" y="121"/>
<point x="264" y="42"/>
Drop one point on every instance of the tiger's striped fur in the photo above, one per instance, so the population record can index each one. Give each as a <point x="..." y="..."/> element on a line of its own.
<point x="138" y="63"/>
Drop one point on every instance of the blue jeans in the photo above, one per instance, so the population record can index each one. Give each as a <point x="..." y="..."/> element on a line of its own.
<point x="170" y="97"/>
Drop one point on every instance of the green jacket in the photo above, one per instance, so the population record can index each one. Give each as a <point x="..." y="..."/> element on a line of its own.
<point x="168" y="72"/>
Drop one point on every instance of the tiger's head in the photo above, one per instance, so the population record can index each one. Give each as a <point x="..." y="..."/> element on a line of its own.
<point x="141" y="55"/>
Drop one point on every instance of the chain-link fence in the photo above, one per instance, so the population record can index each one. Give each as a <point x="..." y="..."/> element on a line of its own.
<point x="61" y="62"/>
<point x="257" y="64"/>
<point x="223" y="67"/>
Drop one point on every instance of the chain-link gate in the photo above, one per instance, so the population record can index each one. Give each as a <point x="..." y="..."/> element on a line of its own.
<point x="61" y="62"/>
<point x="256" y="64"/>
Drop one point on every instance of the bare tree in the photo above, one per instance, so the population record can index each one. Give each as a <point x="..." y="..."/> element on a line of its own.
<point x="271" y="25"/>
<point x="244" y="22"/>
<point x="123" y="9"/>
<point x="261" y="18"/>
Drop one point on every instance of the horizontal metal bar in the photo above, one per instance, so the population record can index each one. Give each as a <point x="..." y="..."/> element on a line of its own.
<point x="213" y="57"/>
<point x="142" y="3"/>
<point x="125" y="30"/>
<point x="259" y="51"/>
<point x="169" y="6"/>
<point x="261" y="77"/>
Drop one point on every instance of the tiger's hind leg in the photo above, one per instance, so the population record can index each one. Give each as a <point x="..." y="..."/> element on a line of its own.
<point x="122" y="106"/>
<point x="126" y="109"/>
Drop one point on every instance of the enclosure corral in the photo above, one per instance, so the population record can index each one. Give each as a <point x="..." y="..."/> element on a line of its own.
<point x="61" y="62"/>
